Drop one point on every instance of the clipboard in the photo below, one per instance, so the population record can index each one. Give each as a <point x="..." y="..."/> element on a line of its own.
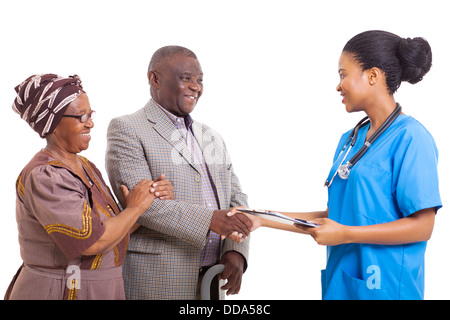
<point x="278" y="217"/>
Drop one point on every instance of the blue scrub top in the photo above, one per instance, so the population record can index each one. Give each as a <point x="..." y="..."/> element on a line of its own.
<point x="395" y="178"/>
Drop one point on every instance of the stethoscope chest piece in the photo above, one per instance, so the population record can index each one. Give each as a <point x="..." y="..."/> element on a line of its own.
<point x="344" y="171"/>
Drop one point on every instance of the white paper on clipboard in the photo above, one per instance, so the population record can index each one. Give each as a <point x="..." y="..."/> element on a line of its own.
<point x="278" y="217"/>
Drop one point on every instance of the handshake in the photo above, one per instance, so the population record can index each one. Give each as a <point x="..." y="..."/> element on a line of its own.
<point x="233" y="224"/>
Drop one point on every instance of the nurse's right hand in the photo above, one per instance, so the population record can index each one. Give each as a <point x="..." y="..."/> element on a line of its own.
<point x="256" y="221"/>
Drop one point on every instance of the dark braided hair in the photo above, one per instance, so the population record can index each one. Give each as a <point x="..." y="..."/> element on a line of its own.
<point x="400" y="59"/>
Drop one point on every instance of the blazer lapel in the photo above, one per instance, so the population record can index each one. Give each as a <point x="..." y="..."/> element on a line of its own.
<point x="169" y="132"/>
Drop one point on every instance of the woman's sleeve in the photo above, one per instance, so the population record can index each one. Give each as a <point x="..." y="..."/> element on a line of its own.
<point x="60" y="203"/>
<point x="416" y="168"/>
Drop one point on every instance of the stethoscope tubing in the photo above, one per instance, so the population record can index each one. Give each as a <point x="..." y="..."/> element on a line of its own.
<point x="375" y="136"/>
<point x="344" y="170"/>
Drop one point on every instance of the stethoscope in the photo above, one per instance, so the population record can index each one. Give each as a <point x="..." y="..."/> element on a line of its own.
<point x="343" y="170"/>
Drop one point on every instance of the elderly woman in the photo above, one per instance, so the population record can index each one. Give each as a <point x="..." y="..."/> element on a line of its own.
<point x="72" y="238"/>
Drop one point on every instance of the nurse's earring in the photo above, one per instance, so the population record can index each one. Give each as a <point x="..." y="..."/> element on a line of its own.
<point x="373" y="75"/>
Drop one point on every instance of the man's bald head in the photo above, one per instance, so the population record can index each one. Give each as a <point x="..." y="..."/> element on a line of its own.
<point x="162" y="55"/>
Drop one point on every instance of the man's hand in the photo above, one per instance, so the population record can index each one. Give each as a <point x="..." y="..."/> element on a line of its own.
<point x="256" y="223"/>
<point x="225" y="225"/>
<point x="234" y="268"/>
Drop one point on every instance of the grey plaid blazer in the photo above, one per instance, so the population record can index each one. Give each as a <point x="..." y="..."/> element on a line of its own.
<point x="163" y="255"/>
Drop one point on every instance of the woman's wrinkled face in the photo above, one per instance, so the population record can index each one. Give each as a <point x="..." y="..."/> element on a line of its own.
<point x="354" y="83"/>
<point x="71" y="134"/>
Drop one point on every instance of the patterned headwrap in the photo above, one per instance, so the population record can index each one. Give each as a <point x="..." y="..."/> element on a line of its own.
<point x="42" y="100"/>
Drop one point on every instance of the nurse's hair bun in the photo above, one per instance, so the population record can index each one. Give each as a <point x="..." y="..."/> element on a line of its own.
<point x="400" y="59"/>
<point x="415" y="57"/>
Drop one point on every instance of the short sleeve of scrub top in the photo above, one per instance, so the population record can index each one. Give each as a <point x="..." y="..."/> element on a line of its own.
<point x="394" y="179"/>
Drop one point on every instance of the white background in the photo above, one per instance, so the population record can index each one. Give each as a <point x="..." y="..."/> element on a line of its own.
<point x="270" y="77"/>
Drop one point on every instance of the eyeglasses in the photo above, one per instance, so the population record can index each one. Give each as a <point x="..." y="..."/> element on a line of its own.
<point x="84" y="117"/>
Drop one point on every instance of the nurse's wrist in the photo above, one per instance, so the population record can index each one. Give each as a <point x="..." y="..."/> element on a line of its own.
<point x="348" y="234"/>
<point x="356" y="234"/>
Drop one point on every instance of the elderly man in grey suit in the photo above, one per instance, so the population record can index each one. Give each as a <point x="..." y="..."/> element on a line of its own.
<point x="179" y="239"/>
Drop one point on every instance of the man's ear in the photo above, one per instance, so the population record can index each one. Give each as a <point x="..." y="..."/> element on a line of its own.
<point x="153" y="79"/>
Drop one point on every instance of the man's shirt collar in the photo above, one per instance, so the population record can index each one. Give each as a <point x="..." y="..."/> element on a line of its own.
<point x="177" y="121"/>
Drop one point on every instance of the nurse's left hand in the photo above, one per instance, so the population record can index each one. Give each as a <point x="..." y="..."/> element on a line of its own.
<point x="328" y="233"/>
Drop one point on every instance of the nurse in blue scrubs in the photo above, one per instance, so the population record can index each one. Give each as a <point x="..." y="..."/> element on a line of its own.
<point x="381" y="213"/>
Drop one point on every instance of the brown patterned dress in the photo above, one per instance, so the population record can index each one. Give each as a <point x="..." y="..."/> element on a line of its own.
<point x="58" y="218"/>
